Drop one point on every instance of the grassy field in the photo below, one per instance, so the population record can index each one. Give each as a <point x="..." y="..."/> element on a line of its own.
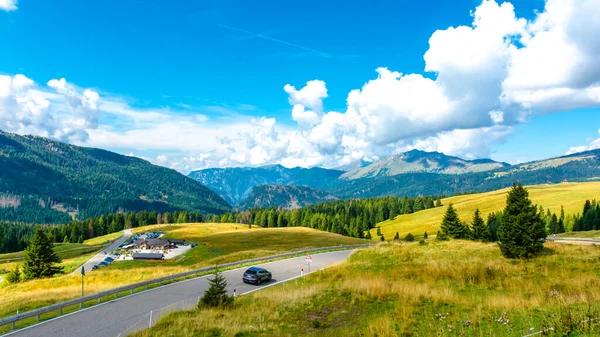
<point x="456" y="288"/>
<point x="586" y="234"/>
<point x="103" y="239"/>
<point x="218" y="243"/>
<point x="570" y="196"/>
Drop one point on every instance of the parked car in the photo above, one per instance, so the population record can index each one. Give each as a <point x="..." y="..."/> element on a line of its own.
<point x="103" y="264"/>
<point x="109" y="259"/>
<point x="193" y="245"/>
<point x="95" y="267"/>
<point x="256" y="275"/>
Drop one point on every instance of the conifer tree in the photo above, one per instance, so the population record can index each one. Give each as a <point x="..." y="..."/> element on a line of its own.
<point x="216" y="294"/>
<point x="382" y="238"/>
<point x="522" y="229"/>
<point x="397" y="237"/>
<point x="553" y="225"/>
<point x="378" y="231"/>
<point x="438" y="203"/>
<point x="480" y="230"/>
<point x="409" y="238"/>
<point x="452" y="227"/>
<point x="368" y="236"/>
<point x="40" y="259"/>
<point x="425" y="236"/>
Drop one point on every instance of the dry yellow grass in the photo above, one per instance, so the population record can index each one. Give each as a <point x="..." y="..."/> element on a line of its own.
<point x="397" y="290"/>
<point x="218" y="243"/>
<point x="571" y="196"/>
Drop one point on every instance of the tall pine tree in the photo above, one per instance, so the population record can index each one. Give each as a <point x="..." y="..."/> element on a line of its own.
<point x="452" y="226"/>
<point x="40" y="259"/>
<point x="480" y="230"/>
<point x="522" y="229"/>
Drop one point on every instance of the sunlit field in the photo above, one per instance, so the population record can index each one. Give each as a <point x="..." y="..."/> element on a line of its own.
<point x="455" y="288"/>
<point x="570" y="196"/>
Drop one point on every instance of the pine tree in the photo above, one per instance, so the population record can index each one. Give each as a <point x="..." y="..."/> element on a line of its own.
<point x="382" y="238"/>
<point x="40" y="258"/>
<point x="522" y="229"/>
<point x="425" y="236"/>
<point x="378" y="231"/>
<point x="14" y="276"/>
<point x="368" y="236"/>
<point x="480" y="230"/>
<point x="493" y="222"/>
<point x="452" y="227"/>
<point x="438" y="203"/>
<point x="553" y="225"/>
<point x="396" y="237"/>
<point x="216" y="294"/>
<point x="409" y="238"/>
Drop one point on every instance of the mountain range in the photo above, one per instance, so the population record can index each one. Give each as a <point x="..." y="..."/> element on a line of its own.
<point x="46" y="181"/>
<point x="410" y="174"/>
<point x="236" y="184"/>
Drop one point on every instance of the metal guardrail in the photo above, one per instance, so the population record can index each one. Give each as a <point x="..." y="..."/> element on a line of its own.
<point x="573" y="239"/>
<point x="172" y="278"/>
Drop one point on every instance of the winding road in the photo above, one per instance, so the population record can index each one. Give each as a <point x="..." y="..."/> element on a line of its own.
<point x="101" y="256"/>
<point x="113" y="318"/>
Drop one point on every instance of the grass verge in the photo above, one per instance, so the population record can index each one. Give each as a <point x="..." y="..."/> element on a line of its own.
<point x="456" y="288"/>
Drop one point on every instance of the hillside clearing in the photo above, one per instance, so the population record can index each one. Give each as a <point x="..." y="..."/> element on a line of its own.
<point x="571" y="196"/>
<point x="456" y="288"/>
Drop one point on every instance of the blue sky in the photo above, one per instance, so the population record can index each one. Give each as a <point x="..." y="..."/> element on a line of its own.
<point x="222" y="65"/>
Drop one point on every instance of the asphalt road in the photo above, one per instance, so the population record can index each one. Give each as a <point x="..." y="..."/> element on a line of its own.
<point x="101" y="256"/>
<point x="112" y="318"/>
<point x="578" y="241"/>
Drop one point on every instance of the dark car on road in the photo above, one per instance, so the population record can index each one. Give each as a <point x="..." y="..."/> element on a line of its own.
<point x="256" y="275"/>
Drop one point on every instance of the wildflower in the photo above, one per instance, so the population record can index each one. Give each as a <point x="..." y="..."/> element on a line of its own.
<point x="467" y="323"/>
<point x="554" y="293"/>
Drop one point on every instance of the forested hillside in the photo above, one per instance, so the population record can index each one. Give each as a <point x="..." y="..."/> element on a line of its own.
<point x="236" y="184"/>
<point x="286" y="196"/>
<point x="42" y="180"/>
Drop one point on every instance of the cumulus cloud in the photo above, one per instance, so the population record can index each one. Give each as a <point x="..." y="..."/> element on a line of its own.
<point x="488" y="77"/>
<point x="60" y="111"/>
<point x="593" y="145"/>
<point x="8" y="5"/>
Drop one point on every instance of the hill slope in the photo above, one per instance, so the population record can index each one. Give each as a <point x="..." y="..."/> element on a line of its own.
<point x="235" y="184"/>
<point x="286" y="196"/>
<point x="584" y="166"/>
<point x="570" y="196"/>
<point x="420" y="161"/>
<point x="43" y="176"/>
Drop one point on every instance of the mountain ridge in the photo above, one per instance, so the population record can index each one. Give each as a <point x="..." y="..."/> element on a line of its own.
<point x="90" y="181"/>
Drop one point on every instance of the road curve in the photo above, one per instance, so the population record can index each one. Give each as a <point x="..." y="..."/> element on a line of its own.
<point x="112" y="318"/>
<point x="101" y="256"/>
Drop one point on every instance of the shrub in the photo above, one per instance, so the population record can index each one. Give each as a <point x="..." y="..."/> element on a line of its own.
<point x="409" y="237"/>
<point x="316" y="323"/>
<point x="14" y="276"/>
<point x="441" y="236"/>
<point x="382" y="238"/>
<point x="422" y="242"/>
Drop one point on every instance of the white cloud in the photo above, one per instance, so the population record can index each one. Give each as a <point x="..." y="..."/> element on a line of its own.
<point x="8" y="5"/>
<point x="489" y="76"/>
<point x="64" y="113"/>
<point x="593" y="145"/>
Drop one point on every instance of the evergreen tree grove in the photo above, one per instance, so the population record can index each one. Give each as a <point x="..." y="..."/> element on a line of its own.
<point x="522" y="229"/>
<point x="40" y="259"/>
<point x="480" y="230"/>
<point x="216" y="294"/>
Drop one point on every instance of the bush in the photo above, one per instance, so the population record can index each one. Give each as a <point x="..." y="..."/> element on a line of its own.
<point x="316" y="324"/>
<point x="409" y="237"/>
<point x="422" y="242"/>
<point x="441" y="236"/>
<point x="14" y="276"/>
<point x="382" y="238"/>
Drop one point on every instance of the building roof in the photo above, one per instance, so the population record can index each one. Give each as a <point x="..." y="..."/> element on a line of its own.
<point x="176" y="240"/>
<point x="157" y="242"/>
<point x="150" y="256"/>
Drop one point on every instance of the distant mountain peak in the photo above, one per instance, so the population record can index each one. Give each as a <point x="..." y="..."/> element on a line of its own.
<point x="422" y="161"/>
